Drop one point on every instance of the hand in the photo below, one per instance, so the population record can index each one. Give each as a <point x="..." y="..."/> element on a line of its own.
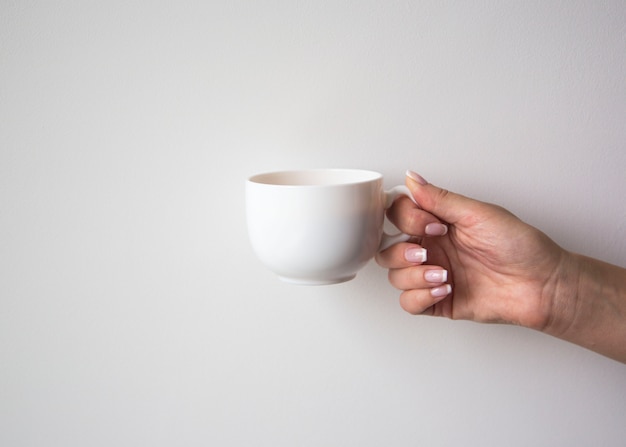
<point x="488" y="266"/>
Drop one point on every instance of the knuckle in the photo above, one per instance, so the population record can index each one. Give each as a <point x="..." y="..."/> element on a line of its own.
<point x="409" y="301"/>
<point x="443" y="193"/>
<point x="414" y="223"/>
<point x="392" y="276"/>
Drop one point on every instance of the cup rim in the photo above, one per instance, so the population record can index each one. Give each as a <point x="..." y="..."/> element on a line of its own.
<point x="315" y="177"/>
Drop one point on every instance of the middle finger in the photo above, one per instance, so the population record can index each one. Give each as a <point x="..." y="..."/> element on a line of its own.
<point x="417" y="277"/>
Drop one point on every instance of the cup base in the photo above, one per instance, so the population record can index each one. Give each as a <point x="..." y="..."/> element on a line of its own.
<point x="316" y="282"/>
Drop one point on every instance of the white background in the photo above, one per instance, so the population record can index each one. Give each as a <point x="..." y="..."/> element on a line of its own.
<point x="132" y="311"/>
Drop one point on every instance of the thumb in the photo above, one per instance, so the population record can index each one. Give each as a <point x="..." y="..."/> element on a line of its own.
<point x="447" y="206"/>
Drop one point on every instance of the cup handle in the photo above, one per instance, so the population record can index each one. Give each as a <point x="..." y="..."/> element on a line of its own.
<point x="390" y="196"/>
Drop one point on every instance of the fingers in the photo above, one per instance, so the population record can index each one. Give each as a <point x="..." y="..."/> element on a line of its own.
<point x="445" y="205"/>
<point x="437" y="206"/>
<point x="410" y="219"/>
<point x="423" y="285"/>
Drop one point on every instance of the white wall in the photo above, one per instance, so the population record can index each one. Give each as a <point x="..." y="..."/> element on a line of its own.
<point x="132" y="311"/>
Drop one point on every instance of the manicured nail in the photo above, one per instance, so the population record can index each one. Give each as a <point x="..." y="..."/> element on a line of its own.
<point x="441" y="291"/>
<point x="436" y="229"/>
<point x="436" y="276"/>
<point x="415" y="254"/>
<point x="415" y="176"/>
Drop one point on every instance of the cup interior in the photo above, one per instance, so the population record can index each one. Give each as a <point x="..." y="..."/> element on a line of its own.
<point x="316" y="177"/>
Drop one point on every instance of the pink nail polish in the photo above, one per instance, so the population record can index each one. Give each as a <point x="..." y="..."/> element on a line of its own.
<point x="415" y="176"/>
<point x="436" y="229"/>
<point x="415" y="255"/>
<point x="436" y="276"/>
<point x="441" y="291"/>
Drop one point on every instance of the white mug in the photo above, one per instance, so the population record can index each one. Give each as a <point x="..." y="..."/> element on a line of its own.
<point x="319" y="226"/>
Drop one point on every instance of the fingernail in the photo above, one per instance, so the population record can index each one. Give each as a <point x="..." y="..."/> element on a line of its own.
<point x="437" y="276"/>
<point x="415" y="254"/>
<point x="441" y="291"/>
<point x="415" y="176"/>
<point x="436" y="229"/>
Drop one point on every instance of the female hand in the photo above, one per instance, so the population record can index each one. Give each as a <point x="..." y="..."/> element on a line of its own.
<point x="484" y="264"/>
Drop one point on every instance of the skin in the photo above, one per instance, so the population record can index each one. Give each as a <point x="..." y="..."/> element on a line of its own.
<point x="486" y="265"/>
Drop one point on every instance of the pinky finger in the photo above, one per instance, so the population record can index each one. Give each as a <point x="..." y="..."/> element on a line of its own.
<point x="417" y="301"/>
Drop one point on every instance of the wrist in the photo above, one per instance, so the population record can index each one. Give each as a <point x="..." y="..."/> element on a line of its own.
<point x="589" y="304"/>
<point x="561" y="296"/>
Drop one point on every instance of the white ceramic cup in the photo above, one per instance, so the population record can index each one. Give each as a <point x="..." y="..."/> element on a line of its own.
<point x="319" y="226"/>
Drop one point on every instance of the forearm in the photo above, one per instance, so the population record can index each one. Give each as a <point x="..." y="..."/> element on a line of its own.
<point x="590" y="306"/>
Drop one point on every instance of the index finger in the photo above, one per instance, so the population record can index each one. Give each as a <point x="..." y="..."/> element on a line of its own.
<point x="411" y="219"/>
